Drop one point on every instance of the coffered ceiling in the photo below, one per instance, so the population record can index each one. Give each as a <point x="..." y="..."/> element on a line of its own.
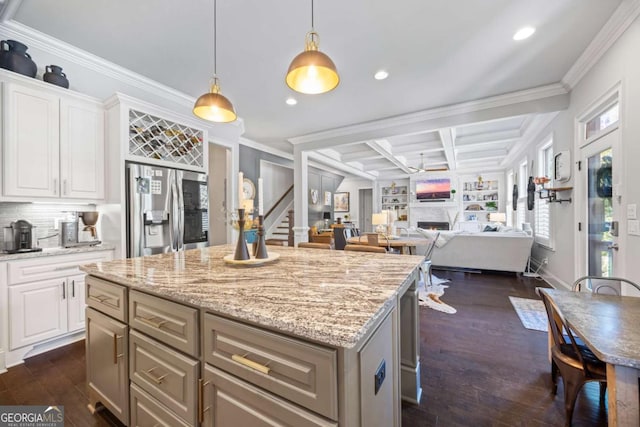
<point x="453" y="69"/>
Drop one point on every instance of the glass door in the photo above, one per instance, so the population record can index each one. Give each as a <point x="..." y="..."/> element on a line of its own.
<point x="601" y="213"/>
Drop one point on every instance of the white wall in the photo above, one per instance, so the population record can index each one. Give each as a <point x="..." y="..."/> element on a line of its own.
<point x="353" y="187"/>
<point x="620" y="64"/>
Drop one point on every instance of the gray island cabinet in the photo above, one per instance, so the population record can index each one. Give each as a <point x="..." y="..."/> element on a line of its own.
<point x="316" y="338"/>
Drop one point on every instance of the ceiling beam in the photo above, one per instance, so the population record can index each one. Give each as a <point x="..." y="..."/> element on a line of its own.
<point x="448" y="138"/>
<point x="337" y="164"/>
<point x="384" y="149"/>
<point x="550" y="98"/>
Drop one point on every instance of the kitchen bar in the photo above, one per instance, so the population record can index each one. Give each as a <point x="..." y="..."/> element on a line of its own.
<point x="319" y="332"/>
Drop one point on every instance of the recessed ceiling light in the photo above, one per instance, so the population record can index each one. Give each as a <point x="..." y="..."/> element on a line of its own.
<point x="381" y="75"/>
<point x="291" y="101"/>
<point x="524" y="33"/>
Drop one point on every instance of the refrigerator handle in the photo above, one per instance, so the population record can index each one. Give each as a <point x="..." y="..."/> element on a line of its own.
<point x="180" y="203"/>
<point x="173" y="230"/>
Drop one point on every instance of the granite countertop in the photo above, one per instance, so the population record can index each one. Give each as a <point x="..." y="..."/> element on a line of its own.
<point x="56" y="251"/>
<point x="607" y="324"/>
<point x="332" y="297"/>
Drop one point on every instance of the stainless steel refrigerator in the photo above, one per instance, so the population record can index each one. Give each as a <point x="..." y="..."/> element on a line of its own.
<point x="167" y="210"/>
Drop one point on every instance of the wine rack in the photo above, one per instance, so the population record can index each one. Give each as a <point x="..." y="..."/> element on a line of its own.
<point x="152" y="137"/>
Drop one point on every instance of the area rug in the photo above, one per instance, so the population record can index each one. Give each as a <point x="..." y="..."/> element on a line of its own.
<point x="531" y="312"/>
<point x="429" y="296"/>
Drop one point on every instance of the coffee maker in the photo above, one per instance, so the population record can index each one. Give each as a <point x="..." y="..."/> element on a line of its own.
<point x="89" y="234"/>
<point x="20" y="237"/>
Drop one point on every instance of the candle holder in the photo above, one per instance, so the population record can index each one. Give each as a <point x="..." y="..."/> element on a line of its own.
<point x="242" y="252"/>
<point x="261" y="248"/>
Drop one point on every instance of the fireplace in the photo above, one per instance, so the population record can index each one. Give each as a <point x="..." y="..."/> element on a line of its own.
<point x="433" y="225"/>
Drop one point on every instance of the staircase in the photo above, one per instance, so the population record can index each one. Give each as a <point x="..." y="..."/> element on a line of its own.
<point x="280" y="236"/>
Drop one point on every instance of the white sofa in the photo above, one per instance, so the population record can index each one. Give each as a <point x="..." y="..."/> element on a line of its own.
<point x="504" y="251"/>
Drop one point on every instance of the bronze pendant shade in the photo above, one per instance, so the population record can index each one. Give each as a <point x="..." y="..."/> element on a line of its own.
<point x="312" y="72"/>
<point x="213" y="106"/>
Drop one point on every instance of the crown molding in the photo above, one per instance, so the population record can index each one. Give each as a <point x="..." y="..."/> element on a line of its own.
<point x="265" y="148"/>
<point x="617" y="24"/>
<point x="507" y="99"/>
<point x="42" y="41"/>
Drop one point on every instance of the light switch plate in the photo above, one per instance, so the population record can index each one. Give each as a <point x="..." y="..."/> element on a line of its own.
<point x="633" y="227"/>
<point x="632" y="211"/>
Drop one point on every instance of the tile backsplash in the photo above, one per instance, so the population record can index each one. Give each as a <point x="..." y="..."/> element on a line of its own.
<point x="41" y="216"/>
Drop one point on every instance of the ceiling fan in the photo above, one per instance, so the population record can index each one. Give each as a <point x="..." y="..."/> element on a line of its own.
<point x="422" y="167"/>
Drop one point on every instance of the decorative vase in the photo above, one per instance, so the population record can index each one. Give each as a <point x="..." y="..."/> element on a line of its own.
<point x="14" y="57"/>
<point x="54" y="75"/>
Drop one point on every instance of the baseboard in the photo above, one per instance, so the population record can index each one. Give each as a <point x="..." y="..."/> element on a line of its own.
<point x="17" y="356"/>
<point x="554" y="281"/>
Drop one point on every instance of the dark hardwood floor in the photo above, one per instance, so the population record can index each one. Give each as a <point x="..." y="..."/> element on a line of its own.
<point x="480" y="367"/>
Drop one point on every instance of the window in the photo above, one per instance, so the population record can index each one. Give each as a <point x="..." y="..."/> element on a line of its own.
<point x="602" y="121"/>
<point x="523" y="180"/>
<point x="542" y="209"/>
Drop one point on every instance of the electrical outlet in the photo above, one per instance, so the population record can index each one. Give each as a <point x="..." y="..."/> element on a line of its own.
<point x="378" y="377"/>
<point x="56" y="223"/>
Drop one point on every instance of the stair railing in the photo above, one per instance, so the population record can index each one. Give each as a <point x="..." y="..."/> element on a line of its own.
<point x="270" y="211"/>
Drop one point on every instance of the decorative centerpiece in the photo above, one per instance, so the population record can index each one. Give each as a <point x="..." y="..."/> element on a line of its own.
<point x="241" y="255"/>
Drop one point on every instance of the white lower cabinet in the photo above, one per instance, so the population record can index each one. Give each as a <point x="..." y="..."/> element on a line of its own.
<point x="45" y="309"/>
<point x="46" y="301"/>
<point x="107" y="364"/>
<point x="38" y="312"/>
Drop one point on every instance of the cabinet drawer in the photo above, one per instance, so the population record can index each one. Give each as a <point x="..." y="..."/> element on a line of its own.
<point x="301" y="372"/>
<point x="146" y="411"/>
<point x="165" y="374"/>
<point x="230" y="402"/>
<point x="107" y="297"/>
<point x="172" y="323"/>
<point x="49" y="267"/>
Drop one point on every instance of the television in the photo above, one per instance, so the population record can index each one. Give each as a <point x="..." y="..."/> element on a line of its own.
<point x="433" y="189"/>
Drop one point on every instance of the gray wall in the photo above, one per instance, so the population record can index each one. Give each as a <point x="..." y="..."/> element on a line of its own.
<point x="318" y="179"/>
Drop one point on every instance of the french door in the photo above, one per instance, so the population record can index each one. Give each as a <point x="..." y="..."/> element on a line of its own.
<point x="599" y="209"/>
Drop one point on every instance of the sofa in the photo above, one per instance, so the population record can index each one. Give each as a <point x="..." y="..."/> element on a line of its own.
<point x="491" y="250"/>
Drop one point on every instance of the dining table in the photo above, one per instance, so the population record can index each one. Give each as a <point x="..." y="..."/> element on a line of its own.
<point x="406" y="245"/>
<point x="609" y="326"/>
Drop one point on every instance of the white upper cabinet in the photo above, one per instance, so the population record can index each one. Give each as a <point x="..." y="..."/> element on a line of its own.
<point x="31" y="142"/>
<point x="81" y="149"/>
<point x="53" y="144"/>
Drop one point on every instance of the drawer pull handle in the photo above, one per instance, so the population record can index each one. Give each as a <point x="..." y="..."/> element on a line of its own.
<point x="152" y="322"/>
<point x="251" y="364"/>
<point x="100" y="298"/>
<point x="157" y="380"/>
<point x="65" y="267"/>
<point x="116" y="356"/>
<point x="201" y="409"/>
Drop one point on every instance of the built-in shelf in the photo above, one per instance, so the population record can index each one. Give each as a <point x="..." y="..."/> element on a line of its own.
<point x="551" y="194"/>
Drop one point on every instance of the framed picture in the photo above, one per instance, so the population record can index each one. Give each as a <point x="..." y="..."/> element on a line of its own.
<point x="327" y="198"/>
<point x="341" y="202"/>
<point x="313" y="193"/>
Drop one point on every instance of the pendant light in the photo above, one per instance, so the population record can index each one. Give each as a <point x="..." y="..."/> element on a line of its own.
<point x="312" y="72"/>
<point x="214" y="106"/>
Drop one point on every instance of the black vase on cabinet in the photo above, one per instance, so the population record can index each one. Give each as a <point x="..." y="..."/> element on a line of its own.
<point x="14" y="57"/>
<point x="54" y="75"/>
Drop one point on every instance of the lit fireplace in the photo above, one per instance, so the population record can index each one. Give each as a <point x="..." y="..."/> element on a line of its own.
<point x="433" y="225"/>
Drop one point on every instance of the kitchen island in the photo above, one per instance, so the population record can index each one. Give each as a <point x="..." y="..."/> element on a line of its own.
<point x="314" y="338"/>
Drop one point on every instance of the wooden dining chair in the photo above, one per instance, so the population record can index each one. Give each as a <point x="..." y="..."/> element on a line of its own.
<point x="314" y="245"/>
<point x="575" y="363"/>
<point x="365" y="248"/>
<point x="432" y="238"/>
